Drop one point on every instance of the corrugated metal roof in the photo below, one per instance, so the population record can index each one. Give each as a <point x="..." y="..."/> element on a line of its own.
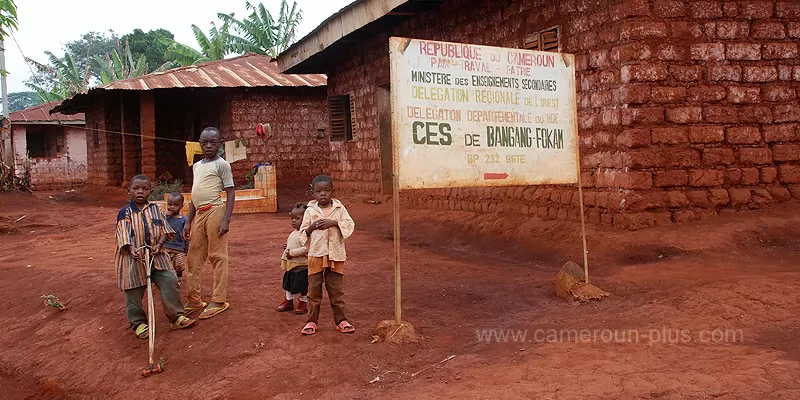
<point x="41" y="113"/>
<point x="249" y="70"/>
<point x="354" y="23"/>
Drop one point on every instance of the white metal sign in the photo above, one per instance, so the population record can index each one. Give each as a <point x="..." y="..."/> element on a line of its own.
<point x="467" y="115"/>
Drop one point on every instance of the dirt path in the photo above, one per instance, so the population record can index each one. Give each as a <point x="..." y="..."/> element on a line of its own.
<point x="698" y="310"/>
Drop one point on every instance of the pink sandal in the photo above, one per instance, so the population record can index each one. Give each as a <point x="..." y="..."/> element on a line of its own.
<point x="345" y="327"/>
<point x="309" y="329"/>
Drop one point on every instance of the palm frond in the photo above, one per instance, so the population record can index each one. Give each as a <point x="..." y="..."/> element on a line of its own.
<point x="106" y="76"/>
<point x="117" y="65"/>
<point x="165" y="66"/>
<point x="201" y="38"/>
<point x="47" y="95"/>
<point x="182" y="54"/>
<point x="140" y="67"/>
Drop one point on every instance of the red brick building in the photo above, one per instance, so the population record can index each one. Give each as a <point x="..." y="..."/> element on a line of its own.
<point x="140" y="125"/>
<point x="685" y="107"/>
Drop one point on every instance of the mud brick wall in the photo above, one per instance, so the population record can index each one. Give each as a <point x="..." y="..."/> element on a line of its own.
<point x="131" y="142"/>
<point x="355" y="166"/>
<point x="685" y="107"/>
<point x="104" y="158"/>
<point x="295" y="115"/>
<point x="147" y="126"/>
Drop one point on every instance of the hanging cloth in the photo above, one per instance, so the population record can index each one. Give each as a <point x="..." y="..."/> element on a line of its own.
<point x="192" y="148"/>
<point x="235" y="150"/>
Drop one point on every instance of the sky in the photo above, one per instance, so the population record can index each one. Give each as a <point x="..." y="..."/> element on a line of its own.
<point x="46" y="25"/>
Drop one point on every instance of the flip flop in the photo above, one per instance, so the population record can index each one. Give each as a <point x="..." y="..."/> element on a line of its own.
<point x="141" y="331"/>
<point x="182" y="323"/>
<point x="188" y="309"/>
<point x="309" y="329"/>
<point x="345" y="327"/>
<point x="212" y="312"/>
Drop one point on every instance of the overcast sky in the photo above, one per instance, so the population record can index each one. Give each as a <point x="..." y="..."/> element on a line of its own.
<point x="45" y="25"/>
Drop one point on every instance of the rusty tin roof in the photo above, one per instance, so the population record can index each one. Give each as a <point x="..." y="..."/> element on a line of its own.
<point x="249" y="70"/>
<point x="41" y="115"/>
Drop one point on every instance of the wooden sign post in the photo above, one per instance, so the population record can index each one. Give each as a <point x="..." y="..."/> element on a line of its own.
<point x="478" y="116"/>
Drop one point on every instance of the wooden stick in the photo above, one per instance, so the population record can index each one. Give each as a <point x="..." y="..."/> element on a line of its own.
<point x="580" y="185"/>
<point x="583" y="225"/>
<point x="151" y="310"/>
<point x="396" y="215"/>
<point x="431" y="366"/>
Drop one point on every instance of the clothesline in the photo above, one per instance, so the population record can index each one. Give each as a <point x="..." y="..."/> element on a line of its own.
<point x="130" y="134"/>
<point x="231" y="148"/>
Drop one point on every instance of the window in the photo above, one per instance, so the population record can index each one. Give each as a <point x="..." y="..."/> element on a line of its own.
<point x="340" y="118"/>
<point x="546" y="40"/>
<point x="37" y="147"/>
<point x="44" y="142"/>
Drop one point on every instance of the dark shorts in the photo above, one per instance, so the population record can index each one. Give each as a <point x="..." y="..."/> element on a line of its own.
<point x="296" y="280"/>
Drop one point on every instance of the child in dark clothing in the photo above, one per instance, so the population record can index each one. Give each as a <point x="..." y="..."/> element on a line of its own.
<point x="177" y="247"/>
<point x="295" y="263"/>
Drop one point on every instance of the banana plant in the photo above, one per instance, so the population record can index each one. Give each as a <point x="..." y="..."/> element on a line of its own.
<point x="214" y="46"/>
<point x="67" y="79"/>
<point x="261" y="33"/>
<point x="114" y="68"/>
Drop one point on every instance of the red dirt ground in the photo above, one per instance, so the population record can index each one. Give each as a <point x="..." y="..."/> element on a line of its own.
<point x="715" y="306"/>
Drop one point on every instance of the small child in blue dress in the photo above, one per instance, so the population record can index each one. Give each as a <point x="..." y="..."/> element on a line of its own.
<point x="177" y="247"/>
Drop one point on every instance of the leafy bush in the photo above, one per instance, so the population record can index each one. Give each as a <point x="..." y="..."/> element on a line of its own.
<point x="165" y="187"/>
<point x="249" y="184"/>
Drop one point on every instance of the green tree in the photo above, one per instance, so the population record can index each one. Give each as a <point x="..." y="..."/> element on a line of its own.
<point x="21" y="100"/>
<point x="8" y="18"/>
<point x="8" y="21"/>
<point x="84" y="50"/>
<point x="149" y="45"/>
<point x="261" y="33"/>
<point x="214" y="46"/>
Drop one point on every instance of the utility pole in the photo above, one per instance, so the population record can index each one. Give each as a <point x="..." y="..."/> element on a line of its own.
<point x="8" y="151"/>
<point x="3" y="77"/>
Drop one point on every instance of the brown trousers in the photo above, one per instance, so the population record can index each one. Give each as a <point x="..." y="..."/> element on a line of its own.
<point x="333" y="285"/>
<point x="206" y="243"/>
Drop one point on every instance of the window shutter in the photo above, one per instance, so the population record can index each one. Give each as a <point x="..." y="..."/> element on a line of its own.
<point x="353" y="124"/>
<point x="532" y="42"/>
<point x="339" y="118"/>
<point x="547" y="40"/>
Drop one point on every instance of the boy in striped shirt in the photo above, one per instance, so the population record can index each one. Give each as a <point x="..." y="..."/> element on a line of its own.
<point x="139" y="224"/>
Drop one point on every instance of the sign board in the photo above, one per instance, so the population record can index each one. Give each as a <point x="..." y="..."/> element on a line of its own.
<point x="467" y="115"/>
